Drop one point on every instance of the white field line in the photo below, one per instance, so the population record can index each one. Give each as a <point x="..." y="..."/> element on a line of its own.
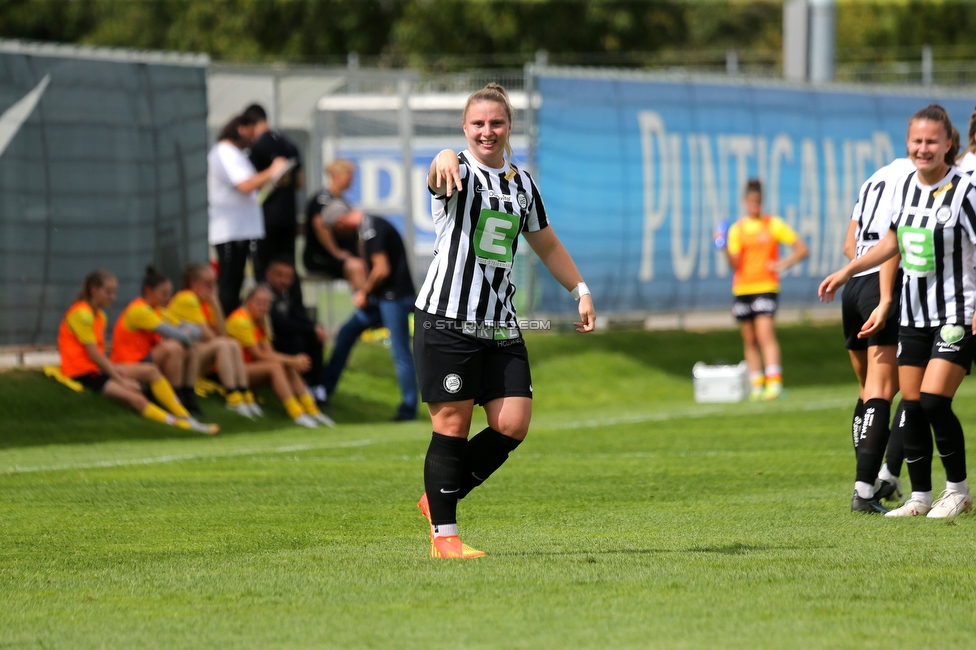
<point x="172" y="458"/>
<point x="637" y="418"/>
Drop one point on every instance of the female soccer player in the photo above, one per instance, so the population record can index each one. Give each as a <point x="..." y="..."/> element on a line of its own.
<point x="753" y="252"/>
<point x="934" y="226"/>
<point x="467" y="343"/>
<point x="248" y="325"/>
<point x="196" y="304"/>
<point x="870" y="314"/>
<point x="81" y="343"/>
<point x="142" y="334"/>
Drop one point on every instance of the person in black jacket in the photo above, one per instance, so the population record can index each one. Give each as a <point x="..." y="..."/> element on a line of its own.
<point x="294" y="331"/>
<point x="280" y="205"/>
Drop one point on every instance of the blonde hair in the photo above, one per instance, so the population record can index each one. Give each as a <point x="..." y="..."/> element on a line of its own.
<point x="339" y="166"/>
<point x="495" y="93"/>
<point x="256" y="289"/>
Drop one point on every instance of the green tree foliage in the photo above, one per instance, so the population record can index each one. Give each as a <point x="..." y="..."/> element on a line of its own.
<point x="441" y="33"/>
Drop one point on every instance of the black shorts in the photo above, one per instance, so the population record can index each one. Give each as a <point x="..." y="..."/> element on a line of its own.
<point x="860" y="297"/>
<point x="93" y="381"/>
<point x="749" y="306"/>
<point x="917" y="346"/>
<point x="457" y="363"/>
<point x="325" y="263"/>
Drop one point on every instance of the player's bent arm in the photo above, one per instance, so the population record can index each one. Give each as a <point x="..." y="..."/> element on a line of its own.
<point x="800" y="252"/>
<point x="850" y="246"/>
<point x="557" y="260"/>
<point x="882" y="251"/>
<point x="168" y="331"/>
<point x="100" y="360"/>
<point x="875" y="322"/>
<point x="445" y="173"/>
<point x="324" y="234"/>
<point x="255" y="182"/>
<point x="734" y="259"/>
<point x="379" y="272"/>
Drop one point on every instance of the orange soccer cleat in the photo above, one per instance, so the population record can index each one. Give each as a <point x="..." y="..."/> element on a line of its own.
<point x="425" y="508"/>
<point x="452" y="548"/>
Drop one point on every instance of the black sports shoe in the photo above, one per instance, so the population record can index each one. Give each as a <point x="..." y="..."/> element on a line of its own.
<point x="870" y="506"/>
<point x="886" y="490"/>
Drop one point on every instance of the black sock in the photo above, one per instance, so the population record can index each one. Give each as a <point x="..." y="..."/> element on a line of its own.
<point x="918" y="446"/>
<point x="856" y="422"/>
<point x="486" y="452"/>
<point x="948" y="435"/>
<point x="896" y="441"/>
<point x="442" y="477"/>
<point x="874" y="439"/>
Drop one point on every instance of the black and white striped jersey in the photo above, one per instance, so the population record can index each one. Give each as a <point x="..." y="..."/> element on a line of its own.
<point x="936" y="229"/>
<point x="872" y="214"/>
<point x="476" y="240"/>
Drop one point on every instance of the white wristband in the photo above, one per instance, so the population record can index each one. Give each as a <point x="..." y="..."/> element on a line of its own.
<point x="580" y="290"/>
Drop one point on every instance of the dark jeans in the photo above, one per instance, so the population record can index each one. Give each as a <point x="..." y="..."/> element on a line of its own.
<point x="391" y="314"/>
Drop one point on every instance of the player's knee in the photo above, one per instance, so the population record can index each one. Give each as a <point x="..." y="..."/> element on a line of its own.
<point x="937" y="408"/>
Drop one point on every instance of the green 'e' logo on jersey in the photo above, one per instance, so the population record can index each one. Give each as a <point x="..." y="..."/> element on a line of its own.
<point x="494" y="236"/>
<point x="917" y="250"/>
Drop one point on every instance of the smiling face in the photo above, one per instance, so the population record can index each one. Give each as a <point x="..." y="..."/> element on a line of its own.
<point x="487" y="128"/>
<point x="928" y="144"/>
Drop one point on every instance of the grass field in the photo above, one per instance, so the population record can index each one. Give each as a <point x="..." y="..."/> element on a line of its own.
<point x="630" y="517"/>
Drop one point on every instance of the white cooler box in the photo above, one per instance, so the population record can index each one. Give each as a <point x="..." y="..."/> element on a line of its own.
<point x="720" y="383"/>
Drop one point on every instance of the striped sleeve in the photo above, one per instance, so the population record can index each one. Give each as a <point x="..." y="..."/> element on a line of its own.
<point x="969" y="213"/>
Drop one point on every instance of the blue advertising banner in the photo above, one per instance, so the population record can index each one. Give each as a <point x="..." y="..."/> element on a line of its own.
<point x="636" y="174"/>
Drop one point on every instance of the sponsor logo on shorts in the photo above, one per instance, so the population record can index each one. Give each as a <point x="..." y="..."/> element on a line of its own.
<point x="952" y="333"/>
<point x="452" y="383"/>
<point x="763" y="305"/>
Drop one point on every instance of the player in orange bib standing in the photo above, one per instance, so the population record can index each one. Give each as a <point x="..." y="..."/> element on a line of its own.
<point x="248" y="325"/>
<point x="81" y="343"/>
<point x="753" y="252"/>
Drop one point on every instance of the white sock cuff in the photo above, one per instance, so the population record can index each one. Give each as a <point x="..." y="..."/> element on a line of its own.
<point x="864" y="490"/>
<point x="924" y="497"/>
<point x="962" y="486"/>
<point x="445" y="530"/>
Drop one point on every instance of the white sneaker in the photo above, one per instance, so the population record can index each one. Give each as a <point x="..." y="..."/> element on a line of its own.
<point x="255" y="410"/>
<point x="304" y="420"/>
<point x="242" y="409"/>
<point x="322" y="418"/>
<point x="209" y="429"/>
<point x="951" y="504"/>
<point x="912" y="508"/>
